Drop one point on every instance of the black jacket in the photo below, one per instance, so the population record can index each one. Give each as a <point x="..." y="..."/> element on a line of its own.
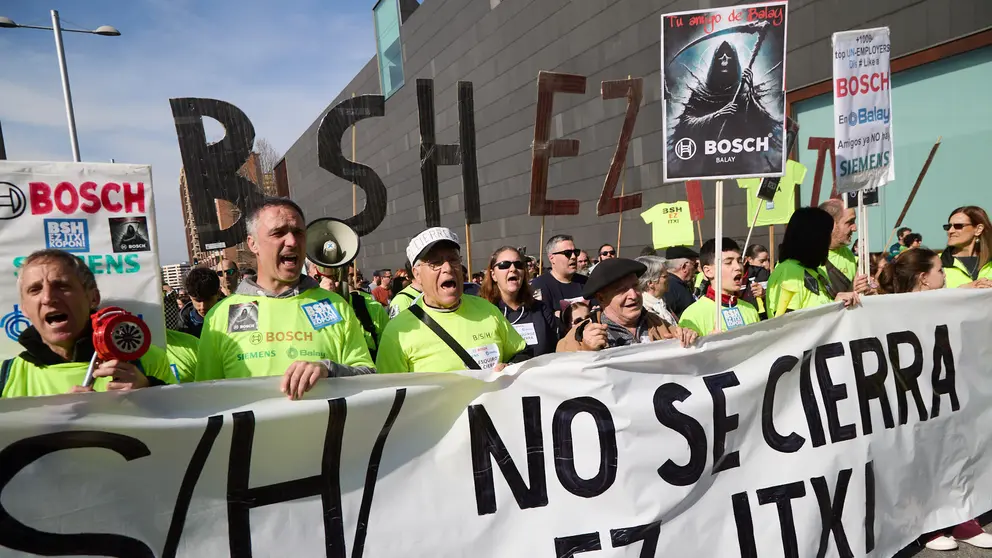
<point x="188" y="320"/>
<point x="678" y="297"/>
<point x="542" y="318"/>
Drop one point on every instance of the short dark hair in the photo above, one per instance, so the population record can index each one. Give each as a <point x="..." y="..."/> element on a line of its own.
<point x="911" y="238"/>
<point x="807" y="237"/>
<point x="755" y="249"/>
<point x="202" y="283"/>
<point x="381" y="272"/>
<point x="552" y="242"/>
<point x="252" y="221"/>
<point x="707" y="252"/>
<point x="901" y="230"/>
<point x="600" y="251"/>
<point x="648" y="251"/>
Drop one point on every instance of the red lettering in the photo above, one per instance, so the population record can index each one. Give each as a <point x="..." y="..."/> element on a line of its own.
<point x="73" y="204"/>
<point x="41" y="198"/>
<point x="840" y="88"/>
<point x="134" y="198"/>
<point x="105" y="197"/>
<point x="885" y="81"/>
<point x="87" y="193"/>
<point x="861" y="84"/>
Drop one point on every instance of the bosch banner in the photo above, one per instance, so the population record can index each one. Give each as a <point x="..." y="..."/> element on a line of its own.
<point x="828" y="432"/>
<point x="863" y="110"/>
<point x="102" y="213"/>
<point x="723" y="77"/>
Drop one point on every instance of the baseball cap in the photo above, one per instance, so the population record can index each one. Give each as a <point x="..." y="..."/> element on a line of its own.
<point x="427" y="239"/>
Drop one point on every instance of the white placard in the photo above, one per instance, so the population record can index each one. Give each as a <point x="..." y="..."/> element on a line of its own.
<point x="863" y="109"/>
<point x="861" y="428"/>
<point x="102" y="212"/>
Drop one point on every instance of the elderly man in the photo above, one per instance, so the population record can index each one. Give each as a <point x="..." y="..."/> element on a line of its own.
<point x="446" y="330"/>
<point x="582" y="263"/>
<point x="561" y="285"/>
<point x="681" y="263"/>
<point x="58" y="294"/>
<point x="842" y="265"/>
<point x="622" y="319"/>
<point x="282" y="323"/>
<point x="229" y="276"/>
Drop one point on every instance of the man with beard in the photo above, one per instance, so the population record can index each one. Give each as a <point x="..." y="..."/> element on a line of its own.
<point x="842" y="265"/>
<point x="726" y="106"/>
<point x="283" y="323"/>
<point x="446" y="330"/>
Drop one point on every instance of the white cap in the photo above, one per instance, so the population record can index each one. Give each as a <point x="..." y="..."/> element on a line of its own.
<point x="425" y="240"/>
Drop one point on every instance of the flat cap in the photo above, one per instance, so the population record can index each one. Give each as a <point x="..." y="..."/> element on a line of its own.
<point x="679" y="252"/>
<point x="610" y="271"/>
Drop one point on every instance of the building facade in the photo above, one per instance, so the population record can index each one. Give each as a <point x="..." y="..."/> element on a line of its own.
<point x="501" y="45"/>
<point x="175" y="274"/>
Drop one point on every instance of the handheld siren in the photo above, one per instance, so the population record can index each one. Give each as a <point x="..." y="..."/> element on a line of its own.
<point x="117" y="335"/>
<point x="331" y="244"/>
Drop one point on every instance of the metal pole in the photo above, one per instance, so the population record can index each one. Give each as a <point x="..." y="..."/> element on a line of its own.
<point x="57" y="28"/>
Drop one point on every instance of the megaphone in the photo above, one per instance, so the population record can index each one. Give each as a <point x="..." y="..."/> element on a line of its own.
<point x="331" y="244"/>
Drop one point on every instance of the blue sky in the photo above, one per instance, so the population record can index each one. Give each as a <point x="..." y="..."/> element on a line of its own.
<point x="279" y="62"/>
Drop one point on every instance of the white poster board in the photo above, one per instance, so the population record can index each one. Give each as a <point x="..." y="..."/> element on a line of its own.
<point x="863" y="109"/>
<point x="102" y="212"/>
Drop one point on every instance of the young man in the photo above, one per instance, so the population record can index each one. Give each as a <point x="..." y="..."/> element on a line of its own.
<point x="700" y="317"/>
<point x="204" y="290"/>
<point x="900" y="245"/>
<point x="381" y="278"/>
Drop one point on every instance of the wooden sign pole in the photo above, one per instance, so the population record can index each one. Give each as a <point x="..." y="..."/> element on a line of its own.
<point x="771" y="244"/>
<point x="623" y="181"/>
<point x="912" y="193"/>
<point x="540" y="256"/>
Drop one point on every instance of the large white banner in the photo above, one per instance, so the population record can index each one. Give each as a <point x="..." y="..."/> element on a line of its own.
<point x="104" y="213"/>
<point x="863" y="109"/>
<point x="829" y="432"/>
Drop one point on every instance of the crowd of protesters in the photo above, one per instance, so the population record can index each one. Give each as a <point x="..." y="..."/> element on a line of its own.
<point x="303" y="322"/>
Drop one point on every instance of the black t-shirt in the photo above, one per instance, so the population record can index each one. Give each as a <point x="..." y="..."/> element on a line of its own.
<point x="553" y="291"/>
<point x="539" y="318"/>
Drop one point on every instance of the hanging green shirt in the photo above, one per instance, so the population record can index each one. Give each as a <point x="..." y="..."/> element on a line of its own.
<point x="402" y="300"/>
<point x="181" y="349"/>
<point x="408" y="345"/>
<point x="256" y="335"/>
<point x="783" y="204"/>
<point x="794" y="287"/>
<point x="26" y="379"/>
<point x="379" y="315"/>
<point x="701" y="316"/>
<point x="670" y="225"/>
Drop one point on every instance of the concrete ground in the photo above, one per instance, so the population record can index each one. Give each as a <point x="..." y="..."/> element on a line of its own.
<point x="963" y="551"/>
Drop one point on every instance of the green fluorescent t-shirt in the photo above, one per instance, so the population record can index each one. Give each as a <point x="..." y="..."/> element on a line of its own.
<point x="700" y="316"/>
<point x="29" y="380"/>
<point x="783" y="205"/>
<point x="479" y="327"/>
<point x="844" y="260"/>
<point x="402" y="300"/>
<point x="249" y="336"/>
<point x="379" y="315"/>
<point x="670" y="224"/>
<point x="181" y="349"/>
<point x="958" y="275"/>
<point x="789" y="285"/>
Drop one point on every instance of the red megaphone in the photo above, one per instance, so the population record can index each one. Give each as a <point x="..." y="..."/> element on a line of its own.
<point x="119" y="334"/>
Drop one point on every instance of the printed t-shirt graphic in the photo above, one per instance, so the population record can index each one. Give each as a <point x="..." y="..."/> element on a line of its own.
<point x="408" y="345"/>
<point x="248" y="336"/>
<point x="783" y="205"/>
<point x="402" y="300"/>
<point x="670" y="225"/>
<point x="699" y="317"/>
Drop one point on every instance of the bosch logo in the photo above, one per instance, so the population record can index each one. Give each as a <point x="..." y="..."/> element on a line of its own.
<point x="12" y="201"/>
<point x="737" y="145"/>
<point x="685" y="149"/>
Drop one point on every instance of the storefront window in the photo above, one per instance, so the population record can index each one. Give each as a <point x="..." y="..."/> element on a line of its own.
<point x="387" y="34"/>
<point x="946" y="98"/>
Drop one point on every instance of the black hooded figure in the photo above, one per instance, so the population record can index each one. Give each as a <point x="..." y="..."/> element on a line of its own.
<point x="727" y="106"/>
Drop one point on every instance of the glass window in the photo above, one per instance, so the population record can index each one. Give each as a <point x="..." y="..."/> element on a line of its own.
<point x="387" y="31"/>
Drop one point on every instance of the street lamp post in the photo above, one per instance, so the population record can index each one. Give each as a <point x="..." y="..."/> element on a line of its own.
<point x="104" y="30"/>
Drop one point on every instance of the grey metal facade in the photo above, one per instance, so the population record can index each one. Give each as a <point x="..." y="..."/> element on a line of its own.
<point x="500" y="46"/>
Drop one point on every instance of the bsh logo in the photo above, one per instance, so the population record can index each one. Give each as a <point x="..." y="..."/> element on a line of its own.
<point x="12" y="201"/>
<point x="685" y="149"/>
<point x="71" y="235"/>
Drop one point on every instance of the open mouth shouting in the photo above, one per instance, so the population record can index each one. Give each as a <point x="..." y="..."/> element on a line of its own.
<point x="290" y="262"/>
<point x="57" y="320"/>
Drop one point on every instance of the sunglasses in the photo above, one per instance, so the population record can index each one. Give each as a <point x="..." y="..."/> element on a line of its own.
<point x="228" y="272"/>
<point x="507" y="264"/>
<point x="578" y="321"/>
<point x="956" y="226"/>
<point x="568" y="253"/>
<point x="608" y="253"/>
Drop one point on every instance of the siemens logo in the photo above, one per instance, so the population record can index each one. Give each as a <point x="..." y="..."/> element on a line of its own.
<point x="865" y="116"/>
<point x="737" y="145"/>
<point x="256" y="354"/>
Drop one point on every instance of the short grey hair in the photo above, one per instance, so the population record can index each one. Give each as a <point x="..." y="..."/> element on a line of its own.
<point x="674" y="264"/>
<point x="656" y="270"/>
<point x="555" y="240"/>
<point x="75" y="264"/>
<point x="251" y="223"/>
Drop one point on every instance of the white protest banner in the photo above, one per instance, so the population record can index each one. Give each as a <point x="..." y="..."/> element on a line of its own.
<point x="825" y="432"/>
<point x="863" y="109"/>
<point x="104" y="213"/>
<point x="723" y="78"/>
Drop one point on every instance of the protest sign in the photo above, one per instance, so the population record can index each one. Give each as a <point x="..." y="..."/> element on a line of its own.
<point x="723" y="77"/>
<point x="779" y="209"/>
<point x="824" y="432"/>
<point x="863" y="110"/>
<point x="103" y="213"/>
<point x="671" y="224"/>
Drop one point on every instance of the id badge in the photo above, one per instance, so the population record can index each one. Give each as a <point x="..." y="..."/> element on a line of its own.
<point x="528" y="332"/>
<point x="487" y="356"/>
<point x="733" y="318"/>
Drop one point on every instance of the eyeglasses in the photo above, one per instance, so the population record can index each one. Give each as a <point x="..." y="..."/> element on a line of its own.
<point x="608" y="253"/>
<point x="506" y="264"/>
<point x="438" y="263"/>
<point x="956" y="226"/>
<point x="568" y="253"/>
<point x="228" y="272"/>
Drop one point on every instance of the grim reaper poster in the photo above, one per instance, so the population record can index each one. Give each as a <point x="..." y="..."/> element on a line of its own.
<point x="723" y="77"/>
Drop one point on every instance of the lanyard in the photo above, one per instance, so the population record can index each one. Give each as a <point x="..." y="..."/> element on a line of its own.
<point x="514" y="322"/>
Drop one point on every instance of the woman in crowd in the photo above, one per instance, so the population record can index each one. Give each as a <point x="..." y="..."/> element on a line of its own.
<point x="916" y="270"/>
<point x="876" y="263"/>
<point x="966" y="259"/>
<point x="796" y="283"/>
<point x="575" y="314"/>
<point x="652" y="285"/>
<point x="506" y="284"/>
<point x="757" y="269"/>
